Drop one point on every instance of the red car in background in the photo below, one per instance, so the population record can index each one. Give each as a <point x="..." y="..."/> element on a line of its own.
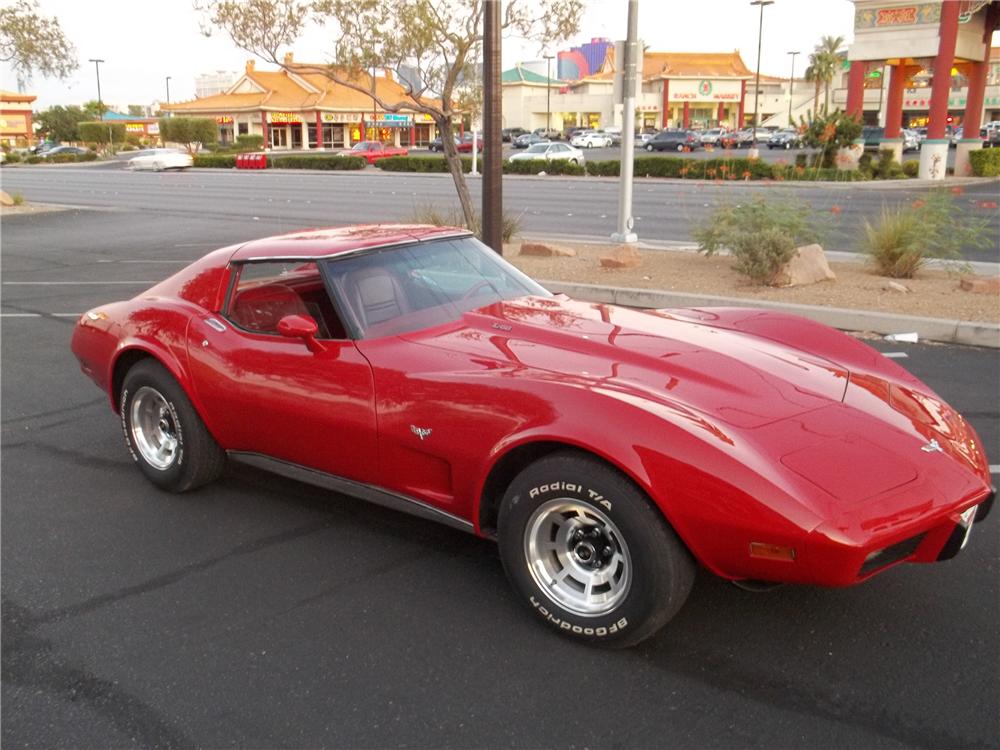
<point x="464" y="143"/>
<point x="374" y="150"/>
<point x="608" y="451"/>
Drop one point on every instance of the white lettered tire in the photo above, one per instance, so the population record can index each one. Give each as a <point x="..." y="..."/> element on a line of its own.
<point x="164" y="433"/>
<point x="589" y="553"/>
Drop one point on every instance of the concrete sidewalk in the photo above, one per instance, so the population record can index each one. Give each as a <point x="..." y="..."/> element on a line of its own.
<point x="969" y="333"/>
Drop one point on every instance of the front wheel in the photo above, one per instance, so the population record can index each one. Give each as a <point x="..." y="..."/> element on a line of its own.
<point x="164" y="433"/>
<point x="589" y="553"/>
<point x="680" y="147"/>
<point x="649" y="146"/>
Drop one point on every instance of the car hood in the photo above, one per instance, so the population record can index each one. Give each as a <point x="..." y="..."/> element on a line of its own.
<point x="735" y="377"/>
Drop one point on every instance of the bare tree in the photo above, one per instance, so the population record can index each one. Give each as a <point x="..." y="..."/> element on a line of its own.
<point x="438" y="39"/>
<point x="31" y="42"/>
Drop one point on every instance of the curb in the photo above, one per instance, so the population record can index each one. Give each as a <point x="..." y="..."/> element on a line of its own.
<point x="967" y="333"/>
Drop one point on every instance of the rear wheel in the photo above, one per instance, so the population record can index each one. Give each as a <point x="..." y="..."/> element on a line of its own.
<point x="649" y="146"/>
<point x="164" y="433"/>
<point x="589" y="553"/>
<point x="680" y="146"/>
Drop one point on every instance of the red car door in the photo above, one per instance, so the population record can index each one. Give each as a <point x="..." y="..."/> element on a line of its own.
<point x="263" y="393"/>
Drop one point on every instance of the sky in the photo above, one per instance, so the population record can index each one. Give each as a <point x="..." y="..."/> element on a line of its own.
<point x="144" y="45"/>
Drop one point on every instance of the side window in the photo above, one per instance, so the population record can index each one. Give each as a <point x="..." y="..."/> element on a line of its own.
<point x="265" y="292"/>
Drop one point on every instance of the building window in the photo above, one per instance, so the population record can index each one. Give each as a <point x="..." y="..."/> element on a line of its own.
<point x="244" y="128"/>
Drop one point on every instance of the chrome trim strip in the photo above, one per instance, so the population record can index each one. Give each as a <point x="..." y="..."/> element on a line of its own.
<point x="367" y="492"/>
<point x="346" y="253"/>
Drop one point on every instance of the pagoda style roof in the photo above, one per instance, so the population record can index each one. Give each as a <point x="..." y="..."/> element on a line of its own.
<point x="518" y="74"/>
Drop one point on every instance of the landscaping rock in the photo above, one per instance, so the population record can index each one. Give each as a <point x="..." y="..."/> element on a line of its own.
<point x="5" y="200"/>
<point x="895" y="286"/>
<point x="807" y="266"/>
<point x="623" y="256"/>
<point x="980" y="284"/>
<point x="547" y="251"/>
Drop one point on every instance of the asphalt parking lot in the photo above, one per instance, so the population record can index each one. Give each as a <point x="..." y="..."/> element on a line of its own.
<point x="261" y="613"/>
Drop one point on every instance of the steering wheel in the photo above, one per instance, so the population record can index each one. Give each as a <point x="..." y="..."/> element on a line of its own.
<point x="476" y="287"/>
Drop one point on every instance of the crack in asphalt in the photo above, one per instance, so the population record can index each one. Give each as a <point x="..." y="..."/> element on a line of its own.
<point x="54" y="412"/>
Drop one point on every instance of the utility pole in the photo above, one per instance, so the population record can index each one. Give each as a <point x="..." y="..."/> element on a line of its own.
<point x="754" y="153"/>
<point x="168" y="89"/>
<point x="791" y="84"/>
<point x="548" y="94"/>
<point x="97" y="67"/>
<point x="625" y="222"/>
<point x="492" y="209"/>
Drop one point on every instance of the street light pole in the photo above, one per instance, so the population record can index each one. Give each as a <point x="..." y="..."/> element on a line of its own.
<point x="791" y="85"/>
<point x="754" y="153"/>
<point x="97" y="67"/>
<point x="548" y="94"/>
<point x="625" y="232"/>
<point x="168" y="89"/>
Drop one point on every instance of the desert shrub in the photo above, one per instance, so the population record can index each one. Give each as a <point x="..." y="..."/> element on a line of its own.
<point x="431" y="214"/>
<point x="883" y="169"/>
<point x="17" y="199"/>
<point x="910" y="168"/>
<point x="331" y="162"/>
<point x="760" y="235"/>
<point x="985" y="162"/>
<point x="903" y="238"/>
<point x="249" y="143"/>
<point x="830" y="133"/>
<point x="223" y="161"/>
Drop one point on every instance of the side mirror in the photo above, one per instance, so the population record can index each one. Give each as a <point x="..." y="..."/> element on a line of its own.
<point x="301" y="327"/>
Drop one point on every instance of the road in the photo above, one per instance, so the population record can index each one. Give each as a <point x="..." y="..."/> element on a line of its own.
<point x="260" y="613"/>
<point x="574" y="207"/>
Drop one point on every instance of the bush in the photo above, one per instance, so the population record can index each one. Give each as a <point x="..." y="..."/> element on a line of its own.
<point x="249" y="143"/>
<point x="223" y="161"/>
<point x="830" y="133"/>
<point x="559" y="166"/>
<point x="431" y="214"/>
<point x="330" y="162"/>
<point x="101" y="132"/>
<point x="17" y="199"/>
<point x="761" y="236"/>
<point x="910" y="168"/>
<point x="419" y="164"/>
<point x="932" y="227"/>
<point x="817" y="174"/>
<point x="985" y="162"/>
<point x="800" y="160"/>
<point x="189" y="130"/>
<point x="13" y="157"/>
<point x="33" y="160"/>
<point x="609" y="168"/>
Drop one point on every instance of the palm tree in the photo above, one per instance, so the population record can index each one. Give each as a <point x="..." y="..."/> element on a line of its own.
<point x="812" y="75"/>
<point x="826" y="60"/>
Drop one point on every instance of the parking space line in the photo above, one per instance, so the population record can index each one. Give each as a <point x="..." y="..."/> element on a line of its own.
<point x="994" y="468"/>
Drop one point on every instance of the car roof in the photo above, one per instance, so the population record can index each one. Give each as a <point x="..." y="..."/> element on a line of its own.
<point x="324" y="243"/>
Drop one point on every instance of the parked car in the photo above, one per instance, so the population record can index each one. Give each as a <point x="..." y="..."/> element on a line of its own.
<point x="158" y="159"/>
<point x="437" y="144"/>
<point x="672" y="140"/>
<point x="872" y="137"/>
<point x="641" y="139"/>
<point x="990" y="133"/>
<point x="911" y="141"/>
<point x="374" y="150"/>
<point x="712" y="137"/>
<point x="591" y="139"/>
<point x="615" y="133"/>
<point x="548" y="151"/>
<point x="786" y="139"/>
<point x="464" y="143"/>
<point x="738" y="139"/>
<point x="73" y="150"/>
<point x="44" y="146"/>
<point x="415" y="368"/>
<point x="528" y="139"/>
<point x="509" y="134"/>
<point x="549" y="134"/>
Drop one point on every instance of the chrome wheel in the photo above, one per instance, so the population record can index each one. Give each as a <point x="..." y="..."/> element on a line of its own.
<point x="154" y="428"/>
<point x="578" y="557"/>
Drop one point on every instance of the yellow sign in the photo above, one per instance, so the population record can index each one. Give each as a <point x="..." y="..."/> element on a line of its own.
<point x="224" y="120"/>
<point x="285" y="117"/>
<point x="135" y="127"/>
<point x="13" y="124"/>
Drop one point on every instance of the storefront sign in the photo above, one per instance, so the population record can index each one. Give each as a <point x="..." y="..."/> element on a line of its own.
<point x="13" y="124"/>
<point x="423" y="117"/>
<point x="705" y="90"/>
<point x="907" y="15"/>
<point x="281" y="118"/>
<point x="135" y="127"/>
<point x="392" y="120"/>
<point x="153" y="128"/>
<point x="224" y="120"/>
<point x="342" y="117"/>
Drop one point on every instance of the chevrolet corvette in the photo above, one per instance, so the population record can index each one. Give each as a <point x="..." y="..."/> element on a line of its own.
<point x="608" y="451"/>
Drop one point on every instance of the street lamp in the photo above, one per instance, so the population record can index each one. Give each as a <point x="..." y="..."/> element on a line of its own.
<point x="548" y="94"/>
<point x="97" y="67"/>
<point x="791" y="84"/>
<point x="756" y="89"/>
<point x="168" y="89"/>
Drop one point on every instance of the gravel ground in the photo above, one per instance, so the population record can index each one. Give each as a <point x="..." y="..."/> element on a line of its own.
<point x="935" y="293"/>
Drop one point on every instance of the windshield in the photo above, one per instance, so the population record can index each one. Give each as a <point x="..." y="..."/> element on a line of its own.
<point x="363" y="146"/>
<point x="402" y="289"/>
<point x="538" y="148"/>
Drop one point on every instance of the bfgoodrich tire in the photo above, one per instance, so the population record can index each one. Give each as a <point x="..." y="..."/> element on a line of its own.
<point x="589" y="553"/>
<point x="164" y="433"/>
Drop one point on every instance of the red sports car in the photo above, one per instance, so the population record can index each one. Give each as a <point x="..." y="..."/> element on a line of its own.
<point x="608" y="451"/>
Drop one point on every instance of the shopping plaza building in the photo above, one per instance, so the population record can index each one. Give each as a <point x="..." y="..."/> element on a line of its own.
<point x="297" y="107"/>
<point x="16" y="128"/>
